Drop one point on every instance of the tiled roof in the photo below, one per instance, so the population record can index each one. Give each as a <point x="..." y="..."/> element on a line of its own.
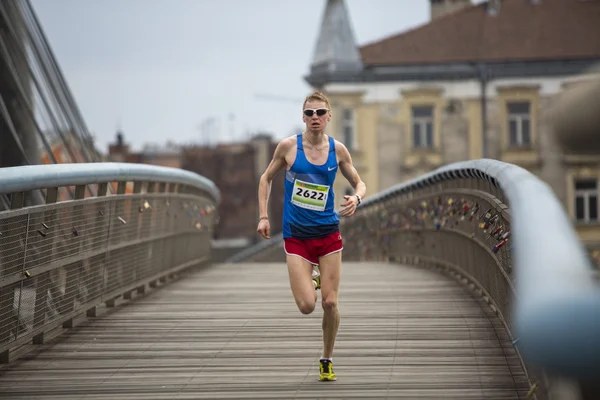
<point x="523" y="30"/>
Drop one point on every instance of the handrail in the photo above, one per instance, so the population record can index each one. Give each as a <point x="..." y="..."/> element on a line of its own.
<point x="32" y="177"/>
<point x="557" y="307"/>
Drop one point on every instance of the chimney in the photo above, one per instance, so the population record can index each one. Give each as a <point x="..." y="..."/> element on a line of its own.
<point x="440" y="8"/>
<point x="120" y="140"/>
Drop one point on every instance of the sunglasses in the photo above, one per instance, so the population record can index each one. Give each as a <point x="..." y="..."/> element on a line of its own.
<point x="320" y="112"/>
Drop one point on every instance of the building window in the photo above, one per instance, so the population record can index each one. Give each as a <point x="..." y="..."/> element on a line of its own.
<point x="348" y="128"/>
<point x="519" y="124"/>
<point x="586" y="200"/>
<point x="422" y="124"/>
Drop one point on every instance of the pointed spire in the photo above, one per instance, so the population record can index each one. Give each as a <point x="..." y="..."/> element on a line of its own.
<point x="336" y="49"/>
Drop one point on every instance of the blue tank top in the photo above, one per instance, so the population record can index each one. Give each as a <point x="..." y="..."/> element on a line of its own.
<point x="308" y="207"/>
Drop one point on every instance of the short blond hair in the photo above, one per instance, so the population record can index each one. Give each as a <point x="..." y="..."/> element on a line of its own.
<point x="317" y="96"/>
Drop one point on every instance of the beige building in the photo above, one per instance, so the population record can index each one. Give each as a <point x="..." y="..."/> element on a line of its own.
<point x="476" y="81"/>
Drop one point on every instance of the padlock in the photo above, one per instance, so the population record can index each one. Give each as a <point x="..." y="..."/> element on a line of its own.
<point x="487" y="215"/>
<point x="496" y="231"/>
<point x="499" y="245"/>
<point x="494" y="219"/>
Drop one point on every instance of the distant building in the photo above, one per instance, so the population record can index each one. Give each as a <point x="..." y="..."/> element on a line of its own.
<point x="475" y="81"/>
<point x="119" y="151"/>
<point x="166" y="156"/>
<point x="236" y="169"/>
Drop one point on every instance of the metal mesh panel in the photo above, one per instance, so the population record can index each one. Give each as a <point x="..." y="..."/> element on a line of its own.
<point x="64" y="232"/>
<point x="458" y="228"/>
<point x="61" y="259"/>
<point x="13" y="233"/>
<point x="9" y="301"/>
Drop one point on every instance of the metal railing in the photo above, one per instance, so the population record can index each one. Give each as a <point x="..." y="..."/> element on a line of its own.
<point x="63" y="258"/>
<point x="499" y="229"/>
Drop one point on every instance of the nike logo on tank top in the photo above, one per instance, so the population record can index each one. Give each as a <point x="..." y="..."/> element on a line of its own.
<point x="308" y="208"/>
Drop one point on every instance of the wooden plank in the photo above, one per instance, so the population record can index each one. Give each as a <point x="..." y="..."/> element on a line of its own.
<point x="233" y="331"/>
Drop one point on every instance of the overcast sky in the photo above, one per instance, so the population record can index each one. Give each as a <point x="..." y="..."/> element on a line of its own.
<point x="159" y="68"/>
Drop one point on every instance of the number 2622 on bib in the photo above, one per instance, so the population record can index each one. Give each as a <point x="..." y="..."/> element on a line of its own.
<point x="309" y="195"/>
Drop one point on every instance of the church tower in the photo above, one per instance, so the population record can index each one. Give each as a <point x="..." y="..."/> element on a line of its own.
<point x="336" y="52"/>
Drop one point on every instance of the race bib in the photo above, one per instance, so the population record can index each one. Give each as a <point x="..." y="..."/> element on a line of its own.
<point x="310" y="195"/>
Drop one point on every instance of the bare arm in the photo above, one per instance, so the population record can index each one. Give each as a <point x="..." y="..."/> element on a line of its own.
<point x="349" y="172"/>
<point x="264" y="186"/>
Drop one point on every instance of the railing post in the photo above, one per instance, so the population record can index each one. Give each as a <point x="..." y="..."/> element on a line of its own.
<point x="102" y="214"/>
<point x="74" y="271"/>
<point x="157" y="225"/>
<point x="9" y="317"/>
<point x="137" y="207"/>
<point x="117" y="227"/>
<point x="41" y="289"/>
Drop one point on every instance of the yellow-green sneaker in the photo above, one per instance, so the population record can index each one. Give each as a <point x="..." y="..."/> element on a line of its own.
<point x="326" y="371"/>
<point x="316" y="277"/>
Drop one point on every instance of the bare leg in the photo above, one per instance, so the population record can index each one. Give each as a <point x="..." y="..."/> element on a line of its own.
<point x="300" y="273"/>
<point x="330" y="267"/>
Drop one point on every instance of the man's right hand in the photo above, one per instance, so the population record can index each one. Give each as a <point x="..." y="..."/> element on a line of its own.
<point x="264" y="228"/>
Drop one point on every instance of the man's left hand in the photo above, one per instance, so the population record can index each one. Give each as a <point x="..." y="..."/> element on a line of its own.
<point x="349" y="206"/>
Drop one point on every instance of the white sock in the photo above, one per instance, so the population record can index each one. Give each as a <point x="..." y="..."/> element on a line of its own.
<point x="330" y="359"/>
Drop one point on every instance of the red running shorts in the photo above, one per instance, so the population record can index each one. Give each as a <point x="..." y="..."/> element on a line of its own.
<point x="312" y="249"/>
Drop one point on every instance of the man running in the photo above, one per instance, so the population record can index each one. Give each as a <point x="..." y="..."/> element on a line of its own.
<point x="310" y="223"/>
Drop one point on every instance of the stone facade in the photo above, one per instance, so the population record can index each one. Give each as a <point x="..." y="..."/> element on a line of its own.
<point x="455" y="134"/>
<point x="390" y="145"/>
<point x="545" y="157"/>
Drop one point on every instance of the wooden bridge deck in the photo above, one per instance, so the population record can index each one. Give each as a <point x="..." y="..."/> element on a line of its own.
<point x="233" y="331"/>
